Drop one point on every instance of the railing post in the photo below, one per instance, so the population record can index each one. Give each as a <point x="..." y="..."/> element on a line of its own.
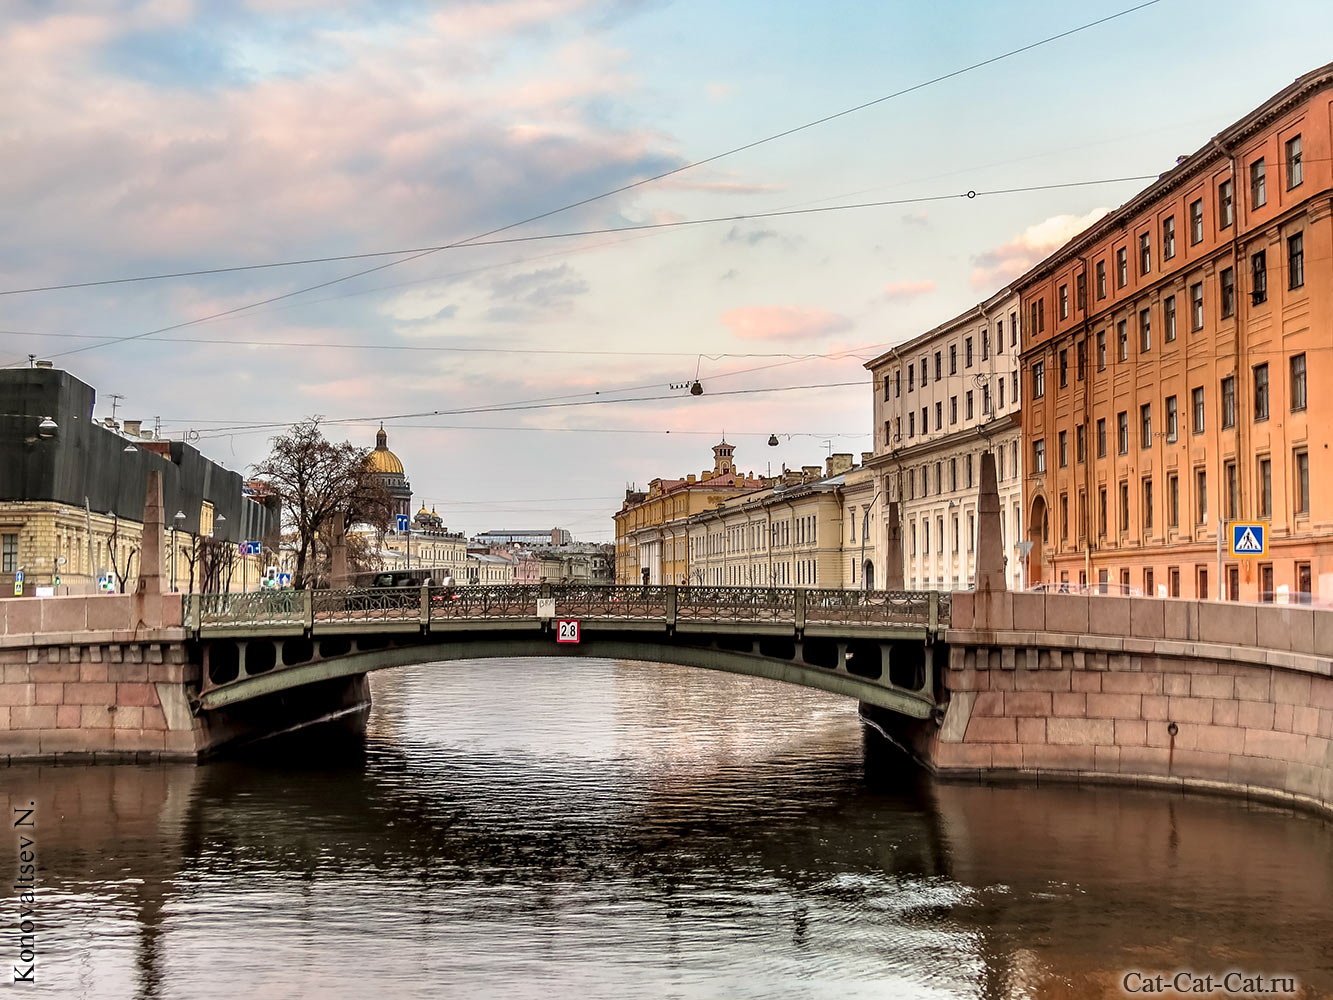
<point x="196" y="610"/>
<point x="308" y="610"/>
<point x="800" y="609"/>
<point x="671" y="605"/>
<point x="425" y="606"/>
<point x="934" y="623"/>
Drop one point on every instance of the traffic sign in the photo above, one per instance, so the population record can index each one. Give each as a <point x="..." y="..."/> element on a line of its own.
<point x="284" y="579"/>
<point x="18" y="577"/>
<point x="18" y="589"/>
<point x="567" y="630"/>
<point x="1248" y="539"/>
<point x="402" y="522"/>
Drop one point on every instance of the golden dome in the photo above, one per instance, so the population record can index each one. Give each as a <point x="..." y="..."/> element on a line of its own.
<point x="382" y="460"/>
<point x="423" y="512"/>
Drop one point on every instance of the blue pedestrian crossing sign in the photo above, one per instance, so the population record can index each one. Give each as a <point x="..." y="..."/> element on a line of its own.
<point x="1249" y="538"/>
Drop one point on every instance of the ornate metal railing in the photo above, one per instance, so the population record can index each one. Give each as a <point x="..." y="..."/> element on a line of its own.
<point x="867" y="607"/>
<point x="667" y="604"/>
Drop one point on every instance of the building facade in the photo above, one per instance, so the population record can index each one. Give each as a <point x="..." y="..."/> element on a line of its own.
<point x="573" y="563"/>
<point x="789" y="534"/>
<point x="434" y="547"/>
<point x="652" y="542"/>
<point x="72" y="492"/>
<point x="940" y="401"/>
<point x="1168" y="357"/>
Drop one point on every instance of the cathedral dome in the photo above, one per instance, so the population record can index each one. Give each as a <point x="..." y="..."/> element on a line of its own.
<point x="382" y="460"/>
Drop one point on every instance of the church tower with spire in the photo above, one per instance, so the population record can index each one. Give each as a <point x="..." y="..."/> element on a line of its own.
<point x="387" y="468"/>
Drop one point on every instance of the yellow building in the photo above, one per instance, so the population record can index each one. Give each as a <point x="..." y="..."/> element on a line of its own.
<point x="805" y="530"/>
<point x="651" y="533"/>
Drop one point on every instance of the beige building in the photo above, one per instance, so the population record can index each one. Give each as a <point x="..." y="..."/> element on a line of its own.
<point x="434" y="547"/>
<point x="489" y="569"/>
<point x="790" y="534"/>
<point x="573" y="563"/>
<point x="940" y="401"/>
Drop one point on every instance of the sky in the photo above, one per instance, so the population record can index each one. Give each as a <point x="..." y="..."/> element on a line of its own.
<point x="141" y="138"/>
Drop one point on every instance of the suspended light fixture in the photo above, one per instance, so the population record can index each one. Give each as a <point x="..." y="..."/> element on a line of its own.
<point x="696" y="389"/>
<point x="47" y="428"/>
<point x="772" y="440"/>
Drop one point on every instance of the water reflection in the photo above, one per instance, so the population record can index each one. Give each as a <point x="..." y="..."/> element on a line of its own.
<point x="601" y="829"/>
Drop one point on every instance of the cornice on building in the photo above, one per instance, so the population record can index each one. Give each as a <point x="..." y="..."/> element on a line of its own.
<point x="1204" y="159"/>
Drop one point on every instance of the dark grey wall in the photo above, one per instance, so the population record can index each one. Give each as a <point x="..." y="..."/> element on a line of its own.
<point x="84" y="459"/>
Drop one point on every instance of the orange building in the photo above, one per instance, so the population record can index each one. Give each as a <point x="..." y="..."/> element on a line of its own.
<point x="1169" y="353"/>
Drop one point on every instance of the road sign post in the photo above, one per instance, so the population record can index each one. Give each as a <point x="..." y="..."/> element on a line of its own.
<point x="1248" y="539"/>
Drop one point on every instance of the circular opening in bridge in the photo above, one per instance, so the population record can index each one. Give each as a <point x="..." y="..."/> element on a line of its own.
<point x="297" y="651"/>
<point x="907" y="666"/>
<point x="864" y="659"/>
<point x="336" y="646"/>
<point x="820" y="653"/>
<point x="224" y="662"/>
<point x="260" y="657"/>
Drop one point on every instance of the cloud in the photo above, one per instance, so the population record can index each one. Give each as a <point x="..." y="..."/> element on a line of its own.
<point x="916" y="219"/>
<point x="783" y="322"/>
<point x="535" y="295"/>
<point x="901" y="290"/>
<point x="751" y="237"/>
<point x="1006" y="262"/>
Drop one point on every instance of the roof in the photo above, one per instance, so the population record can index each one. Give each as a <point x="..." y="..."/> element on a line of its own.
<point x="382" y="460"/>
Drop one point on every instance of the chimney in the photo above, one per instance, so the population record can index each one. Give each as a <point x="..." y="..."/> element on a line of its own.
<point x="132" y="427"/>
<point x="690" y="478"/>
<point x="809" y="473"/>
<point x="43" y="364"/>
<point x="839" y="463"/>
<point x="866" y="456"/>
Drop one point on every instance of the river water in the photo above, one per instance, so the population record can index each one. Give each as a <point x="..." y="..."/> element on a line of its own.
<point x="542" y="828"/>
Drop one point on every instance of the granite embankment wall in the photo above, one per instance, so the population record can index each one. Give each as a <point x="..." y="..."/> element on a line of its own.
<point x="1209" y="695"/>
<point x="85" y="676"/>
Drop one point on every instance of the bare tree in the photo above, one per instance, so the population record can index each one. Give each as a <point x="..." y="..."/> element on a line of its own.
<point x="316" y="479"/>
<point x="121" y="570"/>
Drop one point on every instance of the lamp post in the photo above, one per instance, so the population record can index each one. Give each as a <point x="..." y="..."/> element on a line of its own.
<point x="177" y="520"/>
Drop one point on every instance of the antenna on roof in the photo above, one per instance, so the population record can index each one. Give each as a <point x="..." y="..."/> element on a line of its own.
<point x="115" y="398"/>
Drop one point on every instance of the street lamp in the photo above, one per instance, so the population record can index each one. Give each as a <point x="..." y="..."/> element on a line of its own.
<point x="47" y="428"/>
<point x="177" y="521"/>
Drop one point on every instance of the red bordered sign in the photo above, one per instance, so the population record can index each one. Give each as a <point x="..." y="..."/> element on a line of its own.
<point x="567" y="630"/>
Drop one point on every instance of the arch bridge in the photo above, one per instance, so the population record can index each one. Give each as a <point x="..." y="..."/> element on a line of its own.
<point x="877" y="646"/>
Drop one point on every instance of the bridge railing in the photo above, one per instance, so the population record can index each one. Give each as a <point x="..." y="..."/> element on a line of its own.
<point x="667" y="604"/>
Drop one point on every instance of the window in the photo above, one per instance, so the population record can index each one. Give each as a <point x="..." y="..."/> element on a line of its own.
<point x="1101" y="350"/>
<point x="1101" y="437"/>
<point x="1039" y="456"/>
<point x="1296" y="260"/>
<point x="1038" y="379"/>
<point x="1124" y="506"/>
<point x="1064" y="449"/>
<point x="1266" y="583"/>
<point x="1264" y="487"/>
<point x="1122" y="432"/>
<point x="1202" y="592"/>
<point x="1082" y="294"/>
<point x="1303" y="581"/>
<point x="897" y="383"/>
<point x="953" y="409"/>
<point x="939" y="415"/>
<point x="1258" y="277"/>
<point x="967" y="352"/>
<point x="1258" y="185"/>
<point x="1301" y="480"/>
<point x="1229" y="402"/>
<point x="1231" y="484"/>
<point x="911" y="378"/>
<point x="1041" y="315"/>
<point x="1101" y="512"/>
<point x="968" y="465"/>
<point x="1148" y="589"/>
<point x="1200" y="495"/>
<point x="1297" y="382"/>
<point x="1001" y="392"/>
<point x="953" y="475"/>
<point x="1173" y="578"/>
<point x="1261" y="392"/>
<point x="1101" y="279"/>
<point x="1173" y="501"/>
<point x="1227" y="281"/>
<point x="1064" y="515"/>
<point x="1121" y="268"/>
<point x="1172" y="419"/>
<point x="1196" y="306"/>
<point x="1147" y="506"/>
<point x="925" y="374"/>
<point x="967" y="401"/>
<point x="1145" y="424"/>
<point x="1169" y="318"/>
<point x="1082" y="352"/>
<point x="939" y="365"/>
<point x="1064" y="368"/>
<point x="1013" y="329"/>
<point x="1064" y="301"/>
<point x="1145" y="252"/>
<point x="923" y="420"/>
<point x="1226" y="209"/>
<point x="985" y="400"/>
<point x="1168" y="237"/>
<point x="1122" y="340"/>
<point x="9" y="553"/>
<point x="953" y="359"/>
<point x="1145" y="331"/>
<point x="1293" y="148"/>
<point x="1080" y="443"/>
<point x="911" y="425"/>
<point x="1196" y="221"/>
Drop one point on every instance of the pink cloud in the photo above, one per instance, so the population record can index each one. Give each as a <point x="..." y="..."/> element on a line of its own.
<point x="1008" y="261"/>
<point x="899" y="290"/>
<point x="783" y="322"/>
